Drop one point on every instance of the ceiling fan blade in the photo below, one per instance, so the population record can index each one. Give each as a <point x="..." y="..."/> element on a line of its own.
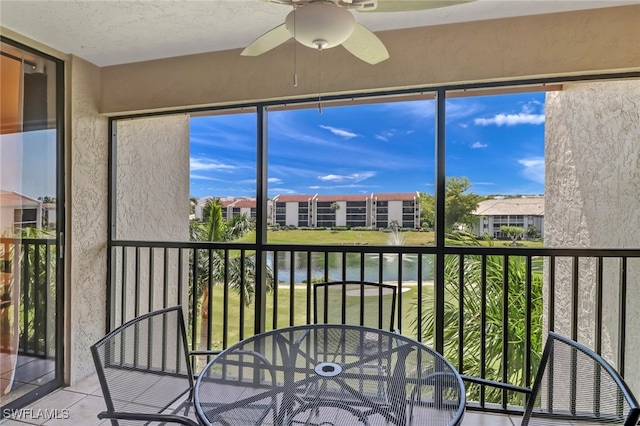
<point x="410" y="5"/>
<point x="267" y="41"/>
<point x="365" y="45"/>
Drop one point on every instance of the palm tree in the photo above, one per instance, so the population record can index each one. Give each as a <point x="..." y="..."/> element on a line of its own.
<point x="493" y="326"/>
<point x="335" y="206"/>
<point x="240" y="275"/>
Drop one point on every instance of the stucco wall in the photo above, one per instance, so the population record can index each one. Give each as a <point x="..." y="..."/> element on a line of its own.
<point x="87" y="198"/>
<point x="152" y="204"/>
<point x="591" y="200"/>
<point x="153" y="179"/>
<point x="589" y="41"/>
<point x="291" y="215"/>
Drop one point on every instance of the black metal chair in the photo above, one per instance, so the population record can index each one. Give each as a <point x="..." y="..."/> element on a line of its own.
<point x="145" y="371"/>
<point x="355" y="302"/>
<point x="574" y="384"/>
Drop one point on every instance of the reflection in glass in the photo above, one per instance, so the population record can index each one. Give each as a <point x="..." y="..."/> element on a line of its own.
<point x="28" y="222"/>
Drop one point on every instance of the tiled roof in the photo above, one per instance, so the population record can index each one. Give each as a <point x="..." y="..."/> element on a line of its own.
<point x="292" y="198"/>
<point x="244" y="203"/>
<point x="530" y="206"/>
<point x="400" y="196"/>
<point x="347" y="197"/>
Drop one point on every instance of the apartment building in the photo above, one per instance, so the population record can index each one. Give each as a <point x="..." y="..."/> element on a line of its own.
<point x="351" y="210"/>
<point x="18" y="211"/>
<point x="523" y="212"/>
<point x="230" y="207"/>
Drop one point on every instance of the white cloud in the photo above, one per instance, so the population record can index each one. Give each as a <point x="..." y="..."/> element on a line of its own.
<point x="386" y="135"/>
<point x="349" y="186"/>
<point x="282" y="191"/>
<point x="511" y="119"/>
<point x="201" y="177"/>
<point x="274" y="180"/>
<point x="354" y="177"/>
<point x="206" y="164"/>
<point x="458" y="109"/>
<point x="533" y="169"/>
<point x="340" y="132"/>
<point x="477" y="145"/>
<point x="532" y="113"/>
<point x="532" y="106"/>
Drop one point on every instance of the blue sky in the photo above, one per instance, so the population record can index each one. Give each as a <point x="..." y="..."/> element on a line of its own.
<point x="497" y="142"/>
<point x="28" y="163"/>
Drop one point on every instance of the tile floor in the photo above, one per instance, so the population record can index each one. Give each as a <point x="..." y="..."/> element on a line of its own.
<point x="84" y="400"/>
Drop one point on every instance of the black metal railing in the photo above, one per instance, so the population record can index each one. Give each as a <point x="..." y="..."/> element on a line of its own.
<point x="499" y="302"/>
<point x="28" y="294"/>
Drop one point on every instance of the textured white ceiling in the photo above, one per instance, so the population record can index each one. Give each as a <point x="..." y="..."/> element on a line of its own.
<point x="121" y="31"/>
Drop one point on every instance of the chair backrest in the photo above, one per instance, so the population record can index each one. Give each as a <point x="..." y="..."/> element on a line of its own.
<point x="143" y="365"/>
<point x="355" y="302"/>
<point x="575" y="384"/>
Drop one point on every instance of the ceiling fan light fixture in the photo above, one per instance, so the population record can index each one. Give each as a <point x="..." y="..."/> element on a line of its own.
<point x="320" y="21"/>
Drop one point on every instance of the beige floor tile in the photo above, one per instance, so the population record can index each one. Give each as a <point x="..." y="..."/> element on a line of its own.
<point x="83" y="412"/>
<point x="11" y="422"/>
<point x="57" y="400"/>
<point x="472" y="418"/>
<point x="89" y="385"/>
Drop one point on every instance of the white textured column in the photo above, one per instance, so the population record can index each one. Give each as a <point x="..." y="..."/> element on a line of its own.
<point x="86" y="255"/>
<point x="152" y="204"/>
<point x="592" y="199"/>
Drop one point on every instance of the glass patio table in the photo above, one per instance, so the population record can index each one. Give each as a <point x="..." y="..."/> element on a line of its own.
<point x="327" y="375"/>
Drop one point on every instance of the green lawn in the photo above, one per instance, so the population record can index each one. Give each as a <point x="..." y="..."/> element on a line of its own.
<point x="243" y="316"/>
<point x="327" y="237"/>
<point x="374" y="238"/>
<point x="287" y="316"/>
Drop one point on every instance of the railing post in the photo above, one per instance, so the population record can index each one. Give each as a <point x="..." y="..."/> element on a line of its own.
<point x="440" y="222"/>
<point x="261" y="221"/>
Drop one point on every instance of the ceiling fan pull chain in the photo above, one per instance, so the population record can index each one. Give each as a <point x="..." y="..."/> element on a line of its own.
<point x="295" y="42"/>
<point x="319" y="79"/>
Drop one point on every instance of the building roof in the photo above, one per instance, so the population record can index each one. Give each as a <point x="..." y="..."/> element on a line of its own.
<point x="397" y="196"/>
<point x="15" y="199"/>
<point x="529" y="206"/>
<point x="243" y="203"/>
<point x="293" y="198"/>
<point x="344" y="197"/>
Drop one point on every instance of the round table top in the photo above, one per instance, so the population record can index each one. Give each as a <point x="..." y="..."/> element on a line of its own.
<point x="329" y="374"/>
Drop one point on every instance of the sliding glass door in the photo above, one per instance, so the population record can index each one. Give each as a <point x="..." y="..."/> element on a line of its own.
<point x="31" y="224"/>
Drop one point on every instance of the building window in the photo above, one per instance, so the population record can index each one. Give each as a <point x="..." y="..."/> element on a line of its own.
<point x="281" y="213"/>
<point x="303" y="214"/>
<point x="326" y="215"/>
<point x="356" y="213"/>
<point x="382" y="214"/>
<point x="408" y="211"/>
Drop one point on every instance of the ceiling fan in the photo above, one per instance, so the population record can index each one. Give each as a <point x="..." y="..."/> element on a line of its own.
<point x="323" y="24"/>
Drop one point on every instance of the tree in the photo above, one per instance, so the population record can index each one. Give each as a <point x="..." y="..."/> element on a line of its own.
<point x="458" y="203"/>
<point x="532" y="232"/>
<point x="513" y="232"/>
<point x="493" y="327"/>
<point x="193" y="202"/>
<point x="215" y="229"/>
<point x="427" y="210"/>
